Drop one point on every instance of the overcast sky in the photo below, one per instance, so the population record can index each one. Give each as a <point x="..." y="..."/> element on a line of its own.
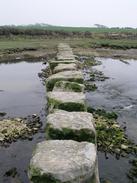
<point x="120" y="13"/>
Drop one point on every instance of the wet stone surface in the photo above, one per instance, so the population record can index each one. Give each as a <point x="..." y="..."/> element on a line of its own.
<point x="75" y="165"/>
<point x="73" y="76"/>
<point x="77" y="126"/>
<point x="69" y="101"/>
<point x="64" y="67"/>
<point x="68" y="86"/>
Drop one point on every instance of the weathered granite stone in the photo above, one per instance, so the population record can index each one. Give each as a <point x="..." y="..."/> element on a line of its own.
<point x="74" y="76"/>
<point x="65" y="57"/>
<point x="63" y="161"/>
<point x="69" y="101"/>
<point x="65" y="125"/>
<point x="54" y="63"/>
<point x="65" y="52"/>
<point x="64" y="67"/>
<point x="68" y="86"/>
<point x="63" y="46"/>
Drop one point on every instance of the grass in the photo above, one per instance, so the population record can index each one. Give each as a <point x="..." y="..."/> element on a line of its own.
<point x="33" y="46"/>
<point x="45" y="43"/>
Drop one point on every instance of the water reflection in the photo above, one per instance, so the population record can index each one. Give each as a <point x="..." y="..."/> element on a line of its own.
<point x="21" y="94"/>
<point x="21" y="90"/>
<point x="118" y="93"/>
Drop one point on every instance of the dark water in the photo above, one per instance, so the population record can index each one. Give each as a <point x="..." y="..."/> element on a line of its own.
<point x="21" y="94"/>
<point x="118" y="93"/>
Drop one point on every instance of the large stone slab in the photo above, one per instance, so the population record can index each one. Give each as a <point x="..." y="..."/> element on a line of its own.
<point x="59" y="161"/>
<point x="65" y="125"/>
<point x="69" y="101"/>
<point x="64" y="47"/>
<point x="64" y="67"/>
<point x="73" y="76"/>
<point x="67" y="86"/>
<point x="54" y="63"/>
<point x="65" y="56"/>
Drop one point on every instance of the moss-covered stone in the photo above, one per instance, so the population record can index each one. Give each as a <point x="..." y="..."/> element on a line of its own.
<point x="54" y="63"/>
<point x="69" y="101"/>
<point x="65" y="125"/>
<point x="73" y="76"/>
<point x="64" y="67"/>
<point x="68" y="86"/>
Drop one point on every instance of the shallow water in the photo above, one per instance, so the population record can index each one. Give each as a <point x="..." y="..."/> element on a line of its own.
<point x="118" y="93"/>
<point x="21" y="94"/>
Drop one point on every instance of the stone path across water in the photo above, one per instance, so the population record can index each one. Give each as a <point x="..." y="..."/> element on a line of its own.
<point x="68" y="155"/>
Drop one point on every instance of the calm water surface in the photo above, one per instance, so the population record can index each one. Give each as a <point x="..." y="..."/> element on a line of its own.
<point x="21" y="94"/>
<point x="118" y="93"/>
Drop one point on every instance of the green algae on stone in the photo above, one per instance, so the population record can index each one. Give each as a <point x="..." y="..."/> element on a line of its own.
<point x="68" y="86"/>
<point x="65" y="67"/>
<point x="72" y="76"/>
<point x="69" y="101"/>
<point x="65" y="125"/>
<point x="54" y="63"/>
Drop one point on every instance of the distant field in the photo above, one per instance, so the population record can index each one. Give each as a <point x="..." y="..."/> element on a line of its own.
<point x="94" y="30"/>
<point x="36" y="41"/>
<point x="81" y="29"/>
<point x="45" y="43"/>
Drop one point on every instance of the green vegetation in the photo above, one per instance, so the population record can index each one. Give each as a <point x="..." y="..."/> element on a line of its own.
<point x="41" y="27"/>
<point x="68" y="86"/>
<point x="68" y="106"/>
<point x="132" y="174"/>
<point x="90" y="86"/>
<point x="70" y="134"/>
<point x="111" y="137"/>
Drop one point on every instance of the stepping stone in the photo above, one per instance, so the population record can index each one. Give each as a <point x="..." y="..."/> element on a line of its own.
<point x="63" y="125"/>
<point x="63" y="47"/>
<point x="73" y="76"/>
<point x="69" y="101"/>
<point x="65" y="57"/>
<point x="63" y="161"/>
<point x="67" y="86"/>
<point x="64" y="67"/>
<point x="54" y="63"/>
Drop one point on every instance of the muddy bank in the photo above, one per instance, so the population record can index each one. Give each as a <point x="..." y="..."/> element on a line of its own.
<point x="107" y="53"/>
<point x="17" y="55"/>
